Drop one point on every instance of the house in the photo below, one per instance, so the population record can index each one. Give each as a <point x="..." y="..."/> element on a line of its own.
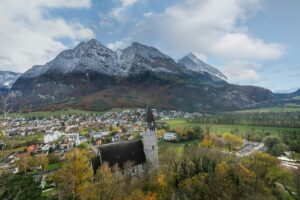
<point x="31" y="149"/>
<point x="46" y="148"/>
<point x="72" y="137"/>
<point x="171" y="137"/>
<point x="52" y="137"/>
<point x="135" y="152"/>
<point x="97" y="135"/>
<point x="116" y="138"/>
<point x="80" y="140"/>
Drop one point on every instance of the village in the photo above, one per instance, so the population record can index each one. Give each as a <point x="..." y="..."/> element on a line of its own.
<point x="58" y="135"/>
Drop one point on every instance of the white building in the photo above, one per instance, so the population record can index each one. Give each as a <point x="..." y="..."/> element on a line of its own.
<point x="169" y="136"/>
<point x="52" y="137"/>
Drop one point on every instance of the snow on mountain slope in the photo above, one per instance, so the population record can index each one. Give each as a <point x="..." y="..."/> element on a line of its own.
<point x="92" y="56"/>
<point x="138" y="57"/>
<point x="193" y="63"/>
<point x="87" y="56"/>
<point x="7" y="78"/>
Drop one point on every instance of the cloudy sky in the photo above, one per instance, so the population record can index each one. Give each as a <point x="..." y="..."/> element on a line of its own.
<point x="251" y="41"/>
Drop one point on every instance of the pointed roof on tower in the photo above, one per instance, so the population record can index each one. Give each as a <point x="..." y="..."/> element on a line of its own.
<point x="149" y="118"/>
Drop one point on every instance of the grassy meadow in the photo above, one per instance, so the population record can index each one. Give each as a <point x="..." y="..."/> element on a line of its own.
<point x="290" y="107"/>
<point x="220" y="129"/>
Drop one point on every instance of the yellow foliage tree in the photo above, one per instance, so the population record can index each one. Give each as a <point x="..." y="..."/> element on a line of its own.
<point x="160" y="133"/>
<point x="232" y="141"/>
<point x="209" y="140"/>
<point x="107" y="185"/>
<point x="24" y="162"/>
<point x="222" y="168"/>
<point x="139" y="195"/>
<point x="43" y="161"/>
<point x="71" y="180"/>
<point x="206" y="142"/>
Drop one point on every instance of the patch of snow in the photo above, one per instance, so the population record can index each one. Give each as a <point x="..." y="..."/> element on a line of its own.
<point x="7" y="79"/>
<point x="193" y="63"/>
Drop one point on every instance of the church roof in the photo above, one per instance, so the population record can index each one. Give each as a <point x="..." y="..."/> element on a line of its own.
<point x="120" y="153"/>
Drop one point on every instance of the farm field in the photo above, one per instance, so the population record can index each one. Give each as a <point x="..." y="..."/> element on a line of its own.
<point x="163" y="146"/>
<point x="285" y="108"/>
<point x="220" y="129"/>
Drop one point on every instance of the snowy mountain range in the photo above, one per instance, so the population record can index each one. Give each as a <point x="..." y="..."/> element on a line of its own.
<point x="92" y="56"/>
<point x="92" y="76"/>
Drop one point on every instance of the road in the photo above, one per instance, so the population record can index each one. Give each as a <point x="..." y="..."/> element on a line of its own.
<point x="250" y="147"/>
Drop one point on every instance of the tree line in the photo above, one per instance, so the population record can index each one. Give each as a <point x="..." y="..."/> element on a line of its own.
<point x="272" y="119"/>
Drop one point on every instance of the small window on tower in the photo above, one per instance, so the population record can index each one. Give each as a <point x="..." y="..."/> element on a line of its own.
<point x="152" y="147"/>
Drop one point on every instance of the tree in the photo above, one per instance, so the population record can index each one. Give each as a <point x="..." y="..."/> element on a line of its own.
<point x="274" y="145"/>
<point x="1" y="134"/>
<point x="107" y="185"/>
<point x="25" y="162"/>
<point x="139" y="195"/>
<point x="296" y="180"/>
<point x="232" y="141"/>
<point x="160" y="133"/>
<point x="71" y="180"/>
<point x="6" y="105"/>
<point x="206" y="142"/>
<point x="19" y="187"/>
<point x="261" y="163"/>
<point x="43" y="161"/>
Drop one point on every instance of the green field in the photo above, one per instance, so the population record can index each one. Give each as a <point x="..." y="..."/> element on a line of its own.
<point x="163" y="146"/>
<point x="285" y="108"/>
<point x="220" y="129"/>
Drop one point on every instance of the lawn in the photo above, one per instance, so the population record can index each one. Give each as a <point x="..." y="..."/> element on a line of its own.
<point x="162" y="146"/>
<point x="220" y="129"/>
<point x="54" y="166"/>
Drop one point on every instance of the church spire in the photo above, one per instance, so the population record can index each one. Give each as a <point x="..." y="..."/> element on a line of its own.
<point x="149" y="118"/>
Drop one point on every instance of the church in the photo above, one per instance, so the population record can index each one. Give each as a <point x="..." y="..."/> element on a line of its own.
<point x="136" y="152"/>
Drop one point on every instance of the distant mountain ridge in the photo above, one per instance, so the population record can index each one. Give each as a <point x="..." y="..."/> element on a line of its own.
<point x="7" y="79"/>
<point x="92" y="76"/>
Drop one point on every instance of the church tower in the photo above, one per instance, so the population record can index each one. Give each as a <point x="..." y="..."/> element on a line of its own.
<point x="150" y="139"/>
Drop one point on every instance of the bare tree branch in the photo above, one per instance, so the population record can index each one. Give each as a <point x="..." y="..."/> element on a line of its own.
<point x="6" y="106"/>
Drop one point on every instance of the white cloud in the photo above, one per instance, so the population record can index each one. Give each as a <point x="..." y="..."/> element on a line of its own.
<point x="117" y="45"/>
<point x="242" y="70"/>
<point x="118" y="13"/>
<point x="241" y="46"/>
<point x="128" y="2"/>
<point x="30" y="35"/>
<point x="212" y="28"/>
<point x="148" y="14"/>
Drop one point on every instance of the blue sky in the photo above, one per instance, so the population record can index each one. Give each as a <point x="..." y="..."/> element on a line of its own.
<point x="252" y="42"/>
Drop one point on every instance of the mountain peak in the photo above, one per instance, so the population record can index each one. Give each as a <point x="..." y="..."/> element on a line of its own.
<point x="94" y="42"/>
<point x="192" y="62"/>
<point x="192" y="55"/>
<point x="138" y="44"/>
